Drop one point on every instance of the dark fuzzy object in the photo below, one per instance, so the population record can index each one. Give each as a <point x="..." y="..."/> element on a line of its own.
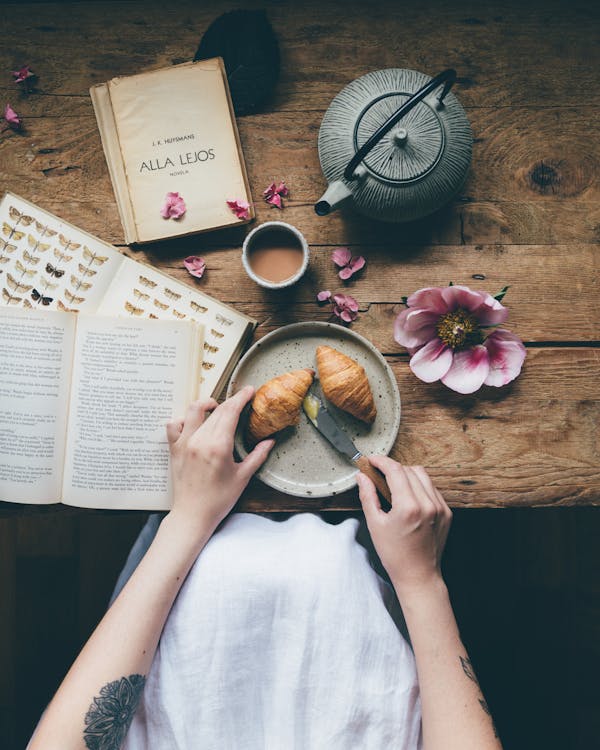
<point x="248" y="45"/>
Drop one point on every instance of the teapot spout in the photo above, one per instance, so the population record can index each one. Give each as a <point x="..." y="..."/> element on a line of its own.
<point x="335" y="194"/>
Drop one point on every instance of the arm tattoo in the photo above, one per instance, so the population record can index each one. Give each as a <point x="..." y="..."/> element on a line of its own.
<point x="465" y="663"/>
<point x="111" y="713"/>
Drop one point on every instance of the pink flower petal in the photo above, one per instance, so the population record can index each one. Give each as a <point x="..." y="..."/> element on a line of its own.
<point x="240" y="208"/>
<point x="23" y="74"/>
<point x="491" y="312"/>
<point x="430" y="297"/>
<point x="275" y="200"/>
<point x="346" y="316"/>
<point x="282" y="189"/>
<point x="462" y="297"/>
<point x="432" y="361"/>
<point x="195" y="266"/>
<point x="357" y="263"/>
<point x="413" y="328"/>
<point x="351" y="303"/>
<point x="324" y="295"/>
<point x="270" y="190"/>
<point x="345" y="273"/>
<point x="507" y="354"/>
<point x="174" y="206"/>
<point x="12" y="118"/>
<point x="469" y="369"/>
<point x="341" y="256"/>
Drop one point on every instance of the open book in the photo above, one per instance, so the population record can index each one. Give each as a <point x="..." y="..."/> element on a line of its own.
<point x="83" y="404"/>
<point x="46" y="264"/>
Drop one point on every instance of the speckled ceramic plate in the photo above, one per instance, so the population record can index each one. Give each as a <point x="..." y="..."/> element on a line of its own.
<point x="303" y="462"/>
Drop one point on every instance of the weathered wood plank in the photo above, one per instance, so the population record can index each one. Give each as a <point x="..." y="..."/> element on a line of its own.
<point x="321" y="49"/>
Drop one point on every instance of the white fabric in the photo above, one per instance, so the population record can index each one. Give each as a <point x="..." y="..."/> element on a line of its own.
<point x="281" y="638"/>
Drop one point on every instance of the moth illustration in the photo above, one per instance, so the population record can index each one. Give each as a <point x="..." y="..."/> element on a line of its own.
<point x="6" y="246"/>
<point x="62" y="257"/>
<point x="9" y="298"/>
<point x="4" y="259"/>
<point x="67" y="244"/>
<point x="91" y="257"/>
<point x="223" y="321"/>
<point x="161" y="305"/>
<point x="147" y="282"/>
<point x="43" y="229"/>
<point x="210" y="348"/>
<point x="140" y="295"/>
<point x="29" y="258"/>
<point x="37" y="297"/>
<point x="198" y="308"/>
<point x="171" y="294"/>
<point x="152" y="315"/>
<point x="24" y="271"/>
<point x="79" y="284"/>
<point x="217" y="334"/>
<point x="208" y="365"/>
<point x="132" y="309"/>
<point x="11" y="232"/>
<point x="178" y="314"/>
<point x="73" y="299"/>
<point x="54" y="271"/>
<point x="17" y="216"/>
<point x="35" y="244"/>
<point x="48" y="285"/>
<point x="63" y="307"/>
<point x="27" y="303"/>
<point x="85" y="271"/>
<point x="15" y="285"/>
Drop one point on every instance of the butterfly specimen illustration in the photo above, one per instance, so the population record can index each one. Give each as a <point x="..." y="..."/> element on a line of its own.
<point x="67" y="244"/>
<point x="85" y="271"/>
<point x="208" y="365"/>
<point x="9" y="298"/>
<point x="210" y="348"/>
<point x="171" y="294"/>
<point x="6" y="246"/>
<point x="27" y="303"/>
<point x="140" y="295"/>
<point x="73" y="299"/>
<point x="11" y="232"/>
<point x="62" y="257"/>
<point x="37" y="297"/>
<point x="178" y="314"/>
<point x="91" y="257"/>
<point x="147" y="282"/>
<point x="63" y="307"/>
<point x="25" y="271"/>
<point x="43" y="230"/>
<point x="78" y="284"/>
<point x="132" y="309"/>
<point x="29" y="258"/>
<point x="223" y="321"/>
<point x="35" y="244"/>
<point x="198" y="308"/>
<point x="20" y="218"/>
<point x="15" y="285"/>
<point x="54" y="271"/>
<point x="161" y="305"/>
<point x="218" y="334"/>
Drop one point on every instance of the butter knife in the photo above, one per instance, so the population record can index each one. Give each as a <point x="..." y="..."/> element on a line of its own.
<point x="320" y="416"/>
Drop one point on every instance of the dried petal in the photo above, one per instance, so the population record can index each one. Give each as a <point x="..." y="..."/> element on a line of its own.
<point x="12" y="118"/>
<point x="275" y="200"/>
<point x="195" y="266"/>
<point x="357" y="263"/>
<point x="23" y="74"/>
<point x="273" y="194"/>
<point x="240" y="208"/>
<point x="174" y="206"/>
<point x="324" y="296"/>
<point x="341" y="256"/>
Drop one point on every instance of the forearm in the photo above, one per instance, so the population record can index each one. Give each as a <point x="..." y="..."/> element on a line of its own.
<point x="455" y="714"/>
<point x="123" y="644"/>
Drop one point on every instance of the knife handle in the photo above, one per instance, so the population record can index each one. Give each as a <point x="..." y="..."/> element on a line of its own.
<point x="375" y="476"/>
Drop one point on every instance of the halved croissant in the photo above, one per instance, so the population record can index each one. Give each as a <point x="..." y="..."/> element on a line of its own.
<point x="277" y="403"/>
<point x="345" y="383"/>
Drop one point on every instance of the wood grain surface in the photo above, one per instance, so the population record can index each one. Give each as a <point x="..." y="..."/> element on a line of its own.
<point x="528" y="215"/>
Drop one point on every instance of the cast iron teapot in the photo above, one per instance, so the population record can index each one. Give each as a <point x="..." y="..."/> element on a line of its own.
<point x="395" y="145"/>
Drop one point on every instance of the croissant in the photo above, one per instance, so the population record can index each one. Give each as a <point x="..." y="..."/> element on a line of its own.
<point x="277" y="403"/>
<point x="345" y="384"/>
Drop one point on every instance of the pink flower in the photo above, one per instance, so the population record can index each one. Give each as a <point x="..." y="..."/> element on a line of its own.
<point x="342" y="257"/>
<point x="442" y="329"/>
<point x="195" y="266"/>
<point x="324" y="296"/>
<point x="345" y="307"/>
<point x="274" y="193"/>
<point x="240" y="208"/>
<point x="12" y="118"/>
<point x="173" y="207"/>
<point x="23" y="74"/>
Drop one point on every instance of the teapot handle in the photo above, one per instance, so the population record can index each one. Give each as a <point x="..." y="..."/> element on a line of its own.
<point x="447" y="77"/>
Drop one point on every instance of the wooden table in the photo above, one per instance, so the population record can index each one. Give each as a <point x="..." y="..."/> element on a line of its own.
<point x="528" y="215"/>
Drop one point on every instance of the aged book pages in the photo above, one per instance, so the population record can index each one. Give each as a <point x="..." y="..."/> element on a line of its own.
<point x="177" y="133"/>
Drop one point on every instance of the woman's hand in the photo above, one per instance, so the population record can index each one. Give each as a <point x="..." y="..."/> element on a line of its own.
<point x="410" y="538"/>
<point x="206" y="480"/>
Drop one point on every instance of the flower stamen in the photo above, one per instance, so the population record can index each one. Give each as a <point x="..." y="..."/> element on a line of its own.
<point x="456" y="328"/>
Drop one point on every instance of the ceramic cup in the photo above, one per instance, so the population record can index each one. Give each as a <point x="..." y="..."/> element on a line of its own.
<point x="258" y="232"/>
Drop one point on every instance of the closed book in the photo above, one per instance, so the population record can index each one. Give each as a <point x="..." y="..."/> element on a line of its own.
<point x="172" y="130"/>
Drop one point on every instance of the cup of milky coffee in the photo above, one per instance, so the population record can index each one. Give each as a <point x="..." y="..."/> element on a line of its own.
<point x="275" y="255"/>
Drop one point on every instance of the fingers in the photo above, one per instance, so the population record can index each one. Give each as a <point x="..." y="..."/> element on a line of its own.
<point x="422" y="488"/>
<point x="195" y="415"/>
<point x="256" y="458"/>
<point x="394" y="473"/>
<point x="229" y="411"/>
<point x="368" y="497"/>
<point x="174" y="428"/>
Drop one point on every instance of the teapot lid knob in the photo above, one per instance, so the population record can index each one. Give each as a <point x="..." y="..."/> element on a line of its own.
<point x="400" y="136"/>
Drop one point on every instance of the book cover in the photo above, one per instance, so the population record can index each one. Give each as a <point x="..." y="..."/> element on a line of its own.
<point x="172" y="130"/>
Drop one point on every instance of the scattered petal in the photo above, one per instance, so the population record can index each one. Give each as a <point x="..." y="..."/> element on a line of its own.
<point x="341" y="256"/>
<point x="273" y="193"/>
<point x="345" y="307"/>
<point x="469" y="369"/>
<point x="324" y="296"/>
<point x="240" y="208"/>
<point x="23" y="74"/>
<point x="507" y="355"/>
<point x="12" y="118"/>
<point x="174" y="206"/>
<point x="357" y="263"/>
<point x="432" y="361"/>
<point x="195" y="266"/>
